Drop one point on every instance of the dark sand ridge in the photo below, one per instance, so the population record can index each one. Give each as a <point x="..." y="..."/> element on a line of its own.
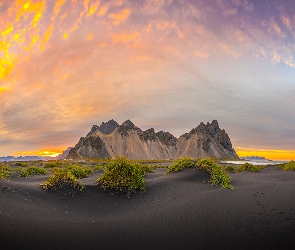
<point x="179" y="211"/>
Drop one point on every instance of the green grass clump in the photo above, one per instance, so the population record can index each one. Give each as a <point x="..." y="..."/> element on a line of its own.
<point x="99" y="167"/>
<point x="25" y="172"/>
<point x="249" y="167"/>
<point x="123" y="175"/>
<point x="78" y="171"/>
<point x="180" y="164"/>
<point x="147" y="168"/>
<point x="22" y="164"/>
<point x="217" y="174"/>
<point x="60" y="180"/>
<point x="5" y="172"/>
<point x="287" y="166"/>
<point x="230" y="168"/>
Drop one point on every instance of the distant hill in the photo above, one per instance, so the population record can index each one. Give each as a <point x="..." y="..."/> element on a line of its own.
<point x="21" y="158"/>
<point x="64" y="154"/>
<point x="110" y="140"/>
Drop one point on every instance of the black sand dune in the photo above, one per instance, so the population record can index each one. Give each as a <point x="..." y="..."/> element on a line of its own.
<point x="179" y="211"/>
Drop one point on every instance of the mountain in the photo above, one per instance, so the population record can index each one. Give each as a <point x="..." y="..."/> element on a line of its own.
<point x="110" y="140"/>
<point x="64" y="154"/>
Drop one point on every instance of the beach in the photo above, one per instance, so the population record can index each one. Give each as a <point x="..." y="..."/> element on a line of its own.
<point x="179" y="211"/>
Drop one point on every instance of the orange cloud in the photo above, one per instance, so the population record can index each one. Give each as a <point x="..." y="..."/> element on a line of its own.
<point x="201" y="54"/>
<point x="89" y="36"/>
<point x="57" y="6"/>
<point x="46" y="37"/>
<point x="92" y="9"/>
<point x="103" y="10"/>
<point x="120" y="16"/>
<point x="7" y="31"/>
<point x="65" y="36"/>
<point x="5" y="87"/>
<point x="125" y="38"/>
<point x="86" y="7"/>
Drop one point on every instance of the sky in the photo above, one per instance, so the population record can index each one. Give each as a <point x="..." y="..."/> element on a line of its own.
<point x="69" y="64"/>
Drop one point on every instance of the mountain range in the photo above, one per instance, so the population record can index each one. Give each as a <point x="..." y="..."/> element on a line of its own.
<point x="110" y="140"/>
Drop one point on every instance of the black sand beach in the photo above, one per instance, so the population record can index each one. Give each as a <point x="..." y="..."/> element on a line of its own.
<point x="179" y="211"/>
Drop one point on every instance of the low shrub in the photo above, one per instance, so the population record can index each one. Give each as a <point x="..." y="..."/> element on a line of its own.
<point x="99" y="167"/>
<point x="230" y="168"/>
<point x="61" y="180"/>
<point x="55" y="164"/>
<point x="147" y="168"/>
<point x="123" y="175"/>
<point x="180" y="164"/>
<point x="249" y="167"/>
<point x="25" y="172"/>
<point x="78" y="171"/>
<point x="22" y="164"/>
<point x="5" y="172"/>
<point x="287" y="166"/>
<point x="217" y="174"/>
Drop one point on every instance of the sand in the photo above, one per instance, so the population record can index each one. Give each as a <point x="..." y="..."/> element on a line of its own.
<point x="178" y="211"/>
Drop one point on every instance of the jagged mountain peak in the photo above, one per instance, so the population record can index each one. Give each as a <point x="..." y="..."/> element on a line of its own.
<point x="105" y="127"/>
<point x="128" y="124"/>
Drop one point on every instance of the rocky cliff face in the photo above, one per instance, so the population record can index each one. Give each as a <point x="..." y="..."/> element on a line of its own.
<point x="110" y="140"/>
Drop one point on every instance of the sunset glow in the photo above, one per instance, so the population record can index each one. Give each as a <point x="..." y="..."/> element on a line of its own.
<point x="66" y="65"/>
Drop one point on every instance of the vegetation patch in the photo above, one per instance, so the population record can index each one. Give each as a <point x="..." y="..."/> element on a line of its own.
<point x="230" y="168"/>
<point x="78" y="171"/>
<point x="5" y="172"/>
<point x="217" y="174"/>
<point x="180" y="164"/>
<point x="26" y="172"/>
<point x="147" y="168"/>
<point x="287" y="166"/>
<point x="99" y="167"/>
<point x="249" y="167"/>
<point x="22" y="164"/>
<point x="61" y="180"/>
<point x="123" y="175"/>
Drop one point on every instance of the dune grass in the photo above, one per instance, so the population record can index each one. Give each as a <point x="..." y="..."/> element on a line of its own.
<point x="230" y="168"/>
<point x="61" y="180"/>
<point x="180" y="164"/>
<point x="250" y="167"/>
<point x="217" y="174"/>
<point x="28" y="171"/>
<point x="5" y="172"/>
<point x="287" y="166"/>
<point x="123" y="175"/>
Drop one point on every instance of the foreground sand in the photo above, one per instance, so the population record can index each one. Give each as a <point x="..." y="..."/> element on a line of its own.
<point x="179" y="211"/>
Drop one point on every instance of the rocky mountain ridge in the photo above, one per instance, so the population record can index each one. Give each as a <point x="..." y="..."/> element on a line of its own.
<point x="110" y="140"/>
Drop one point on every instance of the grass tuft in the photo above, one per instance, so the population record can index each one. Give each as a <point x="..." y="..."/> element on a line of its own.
<point x="180" y="164"/>
<point x="217" y="174"/>
<point x="5" y="172"/>
<point x="230" y="168"/>
<point x="249" y="167"/>
<point x="287" y="166"/>
<point x="60" y="180"/>
<point x="26" y="172"/>
<point x="123" y="175"/>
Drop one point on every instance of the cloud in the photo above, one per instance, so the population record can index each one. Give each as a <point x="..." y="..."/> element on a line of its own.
<point x="286" y="21"/>
<point x="230" y="12"/>
<point x="125" y="37"/>
<point x="120" y="16"/>
<point x="58" y="6"/>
